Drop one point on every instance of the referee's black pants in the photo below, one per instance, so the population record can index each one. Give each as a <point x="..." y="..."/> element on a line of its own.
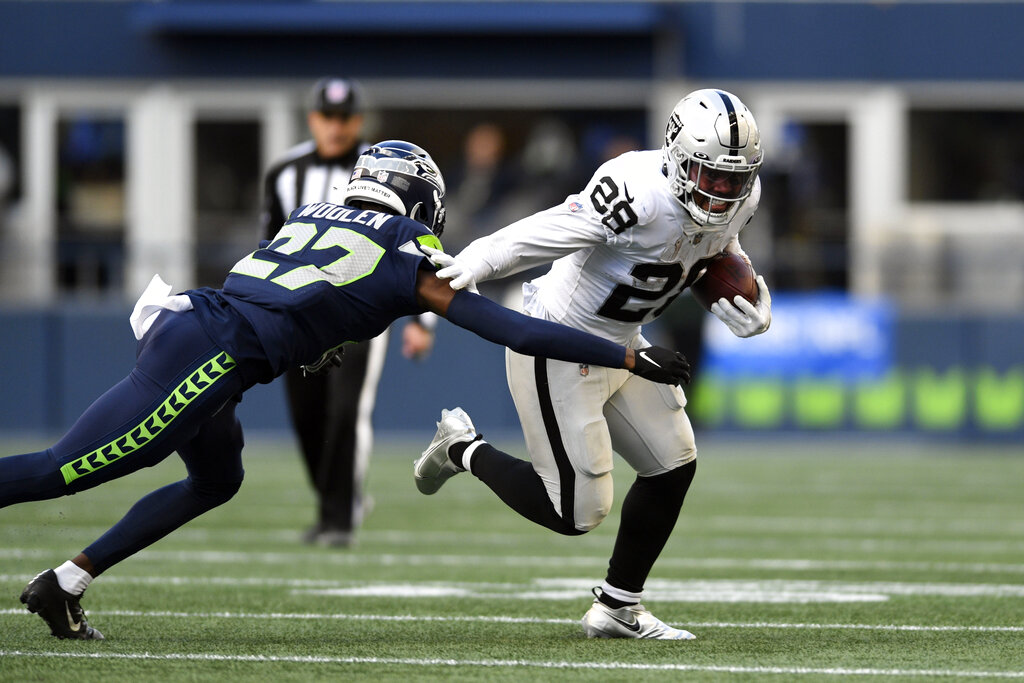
<point x="325" y="411"/>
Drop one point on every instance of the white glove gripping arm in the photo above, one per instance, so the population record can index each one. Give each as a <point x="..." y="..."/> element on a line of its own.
<point x="532" y="241"/>
<point x="461" y="276"/>
<point x="743" y="318"/>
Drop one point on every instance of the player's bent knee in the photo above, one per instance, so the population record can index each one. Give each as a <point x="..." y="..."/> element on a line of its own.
<point x="214" y="493"/>
<point x="583" y="526"/>
<point x="686" y="457"/>
<point x="591" y="519"/>
<point x="674" y="482"/>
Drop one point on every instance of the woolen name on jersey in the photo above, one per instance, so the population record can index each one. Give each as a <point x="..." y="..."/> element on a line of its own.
<point x="333" y="212"/>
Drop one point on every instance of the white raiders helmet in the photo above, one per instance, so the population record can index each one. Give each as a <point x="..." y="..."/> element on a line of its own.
<point x="712" y="154"/>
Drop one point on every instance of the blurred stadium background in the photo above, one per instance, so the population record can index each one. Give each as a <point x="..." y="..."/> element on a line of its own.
<point x="133" y="137"/>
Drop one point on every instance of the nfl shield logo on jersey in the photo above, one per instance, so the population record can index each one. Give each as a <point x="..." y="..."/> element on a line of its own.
<point x="584" y="370"/>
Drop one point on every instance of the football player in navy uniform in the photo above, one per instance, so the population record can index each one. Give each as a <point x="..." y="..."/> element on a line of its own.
<point x="332" y="274"/>
<point x="332" y="412"/>
<point x="622" y="250"/>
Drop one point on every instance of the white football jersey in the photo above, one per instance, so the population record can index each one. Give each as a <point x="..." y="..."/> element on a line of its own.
<point x="622" y="249"/>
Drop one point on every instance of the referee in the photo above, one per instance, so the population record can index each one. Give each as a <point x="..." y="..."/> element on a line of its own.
<point x="332" y="412"/>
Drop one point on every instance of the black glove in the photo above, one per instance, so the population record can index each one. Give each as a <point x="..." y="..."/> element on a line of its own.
<point x="330" y="359"/>
<point x="662" y="365"/>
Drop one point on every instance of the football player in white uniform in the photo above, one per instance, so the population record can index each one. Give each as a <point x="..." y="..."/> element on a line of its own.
<point x="623" y="249"/>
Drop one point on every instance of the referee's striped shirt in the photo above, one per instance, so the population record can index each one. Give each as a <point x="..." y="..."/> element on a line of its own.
<point x="303" y="177"/>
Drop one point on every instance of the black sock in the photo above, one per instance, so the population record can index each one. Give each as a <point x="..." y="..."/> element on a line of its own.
<point x="649" y="514"/>
<point x="457" y="450"/>
<point x="519" y="486"/>
<point x="606" y="599"/>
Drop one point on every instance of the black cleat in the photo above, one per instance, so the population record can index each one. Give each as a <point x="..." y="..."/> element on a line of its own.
<point x="58" y="608"/>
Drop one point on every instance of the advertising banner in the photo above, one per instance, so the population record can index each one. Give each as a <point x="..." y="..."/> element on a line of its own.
<point x="829" y="335"/>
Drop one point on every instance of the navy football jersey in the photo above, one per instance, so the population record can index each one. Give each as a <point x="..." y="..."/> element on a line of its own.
<point x="332" y="274"/>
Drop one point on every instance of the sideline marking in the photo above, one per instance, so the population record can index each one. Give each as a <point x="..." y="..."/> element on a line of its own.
<point x="498" y="663"/>
<point x="313" y="616"/>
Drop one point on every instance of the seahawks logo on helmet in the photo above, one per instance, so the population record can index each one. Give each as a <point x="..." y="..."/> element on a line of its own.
<point x="403" y="178"/>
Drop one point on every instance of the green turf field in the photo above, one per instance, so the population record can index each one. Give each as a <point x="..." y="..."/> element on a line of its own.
<point x="789" y="563"/>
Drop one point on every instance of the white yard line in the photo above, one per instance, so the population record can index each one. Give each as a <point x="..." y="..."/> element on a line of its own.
<point x="885" y="526"/>
<point x="980" y="533"/>
<point x="775" y="591"/>
<point x="448" y="560"/>
<point x="519" y="663"/>
<point x="313" y="616"/>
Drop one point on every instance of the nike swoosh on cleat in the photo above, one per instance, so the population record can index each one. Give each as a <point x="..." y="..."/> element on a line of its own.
<point x="71" y="622"/>
<point x="635" y="626"/>
<point x="643" y="354"/>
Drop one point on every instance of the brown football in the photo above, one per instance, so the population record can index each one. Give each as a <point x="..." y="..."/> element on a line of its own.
<point x="725" y="275"/>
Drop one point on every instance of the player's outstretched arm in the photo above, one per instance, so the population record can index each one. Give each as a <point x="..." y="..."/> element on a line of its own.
<point x="534" y="337"/>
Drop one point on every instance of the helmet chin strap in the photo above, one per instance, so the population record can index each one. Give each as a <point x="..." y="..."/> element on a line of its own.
<point x="415" y="211"/>
<point x="705" y="215"/>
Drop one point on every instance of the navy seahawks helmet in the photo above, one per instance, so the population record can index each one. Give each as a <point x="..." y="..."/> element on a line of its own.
<point x="402" y="177"/>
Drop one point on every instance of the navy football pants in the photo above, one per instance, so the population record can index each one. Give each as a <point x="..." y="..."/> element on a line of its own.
<point x="180" y="396"/>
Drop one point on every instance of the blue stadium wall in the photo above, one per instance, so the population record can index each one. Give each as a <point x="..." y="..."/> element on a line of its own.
<point x="952" y="377"/>
<point x="57" y="361"/>
<point x="700" y="40"/>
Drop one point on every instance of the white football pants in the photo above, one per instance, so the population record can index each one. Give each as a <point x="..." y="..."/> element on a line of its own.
<point x="574" y="416"/>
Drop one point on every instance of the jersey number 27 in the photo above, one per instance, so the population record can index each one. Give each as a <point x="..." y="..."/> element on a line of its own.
<point x="361" y="258"/>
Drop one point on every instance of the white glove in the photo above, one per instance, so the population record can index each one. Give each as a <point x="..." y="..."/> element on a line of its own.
<point x="451" y="269"/>
<point x="743" y="318"/>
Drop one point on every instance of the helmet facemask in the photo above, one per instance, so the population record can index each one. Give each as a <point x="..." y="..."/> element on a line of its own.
<point x="714" y="191"/>
<point x="712" y="155"/>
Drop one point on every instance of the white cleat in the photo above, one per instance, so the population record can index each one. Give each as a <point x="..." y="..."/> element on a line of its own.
<point x="632" y="621"/>
<point x="434" y="467"/>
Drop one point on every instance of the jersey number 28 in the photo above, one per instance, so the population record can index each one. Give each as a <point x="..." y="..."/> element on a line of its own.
<point x="617" y="306"/>
<point x="619" y="215"/>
